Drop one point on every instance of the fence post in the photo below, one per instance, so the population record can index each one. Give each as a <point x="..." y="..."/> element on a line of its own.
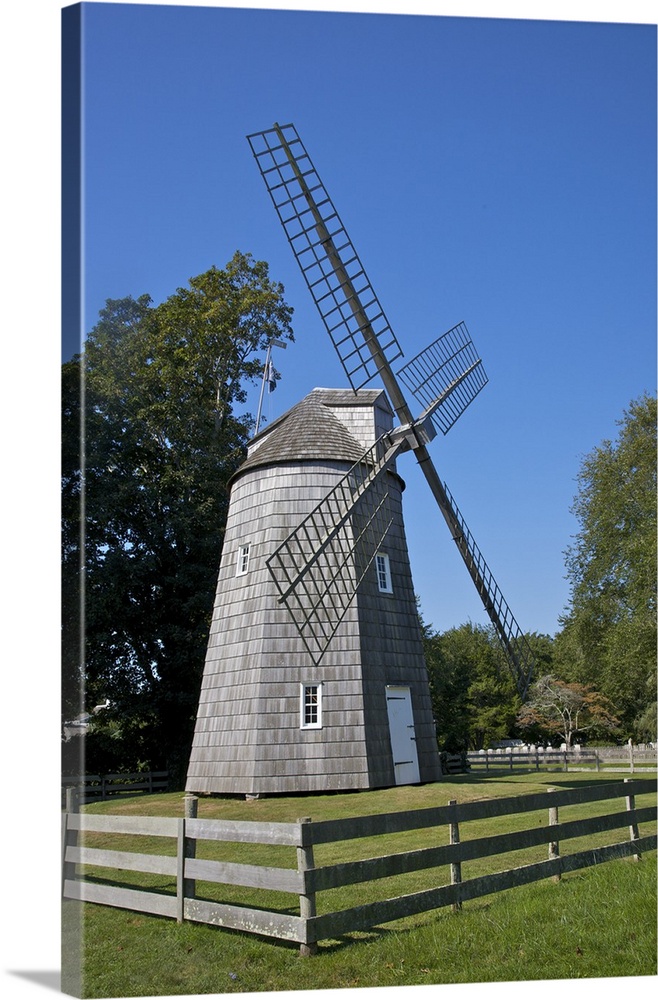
<point x="536" y="758"/>
<point x="72" y="799"/>
<point x="456" y="868"/>
<point x="633" y="830"/>
<point x="69" y="837"/>
<point x="596" y="760"/>
<point x="187" y="849"/>
<point x="305" y="862"/>
<point x="630" y="756"/>
<point x="554" y="845"/>
<point x="180" y="871"/>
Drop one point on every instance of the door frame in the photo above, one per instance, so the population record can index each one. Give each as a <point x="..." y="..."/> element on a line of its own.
<point x="403" y="742"/>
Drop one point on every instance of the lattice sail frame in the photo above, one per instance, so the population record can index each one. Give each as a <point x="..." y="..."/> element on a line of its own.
<point x="451" y="360"/>
<point x="318" y="568"/>
<point x="331" y="267"/>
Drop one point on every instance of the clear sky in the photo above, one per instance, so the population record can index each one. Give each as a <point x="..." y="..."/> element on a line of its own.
<point x="496" y="171"/>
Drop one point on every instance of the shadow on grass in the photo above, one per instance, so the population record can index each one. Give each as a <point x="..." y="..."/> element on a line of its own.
<point x="566" y="782"/>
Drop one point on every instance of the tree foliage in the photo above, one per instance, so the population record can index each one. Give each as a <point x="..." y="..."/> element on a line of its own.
<point x="154" y="401"/>
<point x="474" y="697"/>
<point x="608" y="638"/>
<point x="599" y="671"/>
<point x="556" y="708"/>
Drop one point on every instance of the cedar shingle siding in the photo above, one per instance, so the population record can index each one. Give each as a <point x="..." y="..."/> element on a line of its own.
<point x="248" y="737"/>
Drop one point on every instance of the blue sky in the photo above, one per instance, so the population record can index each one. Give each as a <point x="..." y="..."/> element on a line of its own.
<point x="496" y="171"/>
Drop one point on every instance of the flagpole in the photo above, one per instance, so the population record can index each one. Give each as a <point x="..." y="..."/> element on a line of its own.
<point x="268" y="358"/>
<point x="262" y="386"/>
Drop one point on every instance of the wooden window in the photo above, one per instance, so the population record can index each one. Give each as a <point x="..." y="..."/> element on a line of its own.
<point x="383" y="567"/>
<point x="243" y="560"/>
<point x="311" y="706"/>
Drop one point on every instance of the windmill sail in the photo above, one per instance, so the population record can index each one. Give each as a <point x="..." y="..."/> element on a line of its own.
<point x="335" y="277"/>
<point x="319" y="566"/>
<point x="450" y="361"/>
<point x="446" y="376"/>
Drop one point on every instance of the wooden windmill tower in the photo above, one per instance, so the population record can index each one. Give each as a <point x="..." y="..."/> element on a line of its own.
<point x="314" y="677"/>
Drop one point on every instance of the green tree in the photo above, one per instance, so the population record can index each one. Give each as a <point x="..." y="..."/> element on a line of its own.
<point x="71" y="543"/>
<point x="474" y="698"/>
<point x="492" y="696"/>
<point x="609" y="633"/>
<point x="543" y="650"/>
<point x="161" y="439"/>
<point x="449" y="679"/>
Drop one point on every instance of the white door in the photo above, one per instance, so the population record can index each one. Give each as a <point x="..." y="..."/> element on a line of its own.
<point x="403" y="735"/>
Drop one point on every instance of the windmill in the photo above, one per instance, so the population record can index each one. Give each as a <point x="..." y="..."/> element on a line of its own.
<point x="315" y="677"/>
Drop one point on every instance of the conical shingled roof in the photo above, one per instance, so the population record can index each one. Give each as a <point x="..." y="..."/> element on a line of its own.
<point x="307" y="432"/>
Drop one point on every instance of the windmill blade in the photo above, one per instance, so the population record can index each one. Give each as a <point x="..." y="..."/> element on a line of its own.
<point x="334" y="274"/>
<point x="450" y="370"/>
<point x="319" y="567"/>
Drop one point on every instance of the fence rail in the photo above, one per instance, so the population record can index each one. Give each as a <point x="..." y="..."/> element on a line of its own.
<point x="95" y="787"/>
<point x="306" y="880"/>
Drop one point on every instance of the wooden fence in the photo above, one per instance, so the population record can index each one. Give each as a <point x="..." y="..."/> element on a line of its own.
<point x="95" y="787"/>
<point x="626" y="758"/>
<point x="306" y="881"/>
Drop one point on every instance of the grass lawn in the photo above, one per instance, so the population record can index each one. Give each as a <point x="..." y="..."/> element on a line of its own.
<point x="598" y="922"/>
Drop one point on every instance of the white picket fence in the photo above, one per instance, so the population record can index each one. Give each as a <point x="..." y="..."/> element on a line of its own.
<point x="622" y="758"/>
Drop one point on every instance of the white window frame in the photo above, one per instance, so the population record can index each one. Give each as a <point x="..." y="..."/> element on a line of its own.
<point x="242" y="561"/>
<point x="383" y="571"/>
<point x="303" y="689"/>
